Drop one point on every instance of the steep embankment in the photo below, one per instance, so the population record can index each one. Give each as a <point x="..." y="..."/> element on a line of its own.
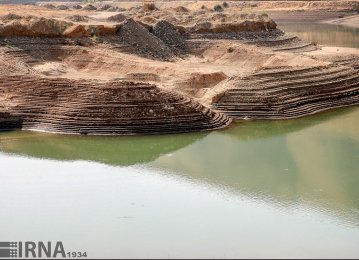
<point x="238" y="65"/>
<point x="288" y="93"/>
<point x="99" y="108"/>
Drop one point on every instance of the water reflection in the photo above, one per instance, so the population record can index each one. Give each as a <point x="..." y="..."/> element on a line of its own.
<point x="312" y="160"/>
<point x="324" y="34"/>
<point x="288" y="188"/>
<point x="124" y="150"/>
<point x="290" y="162"/>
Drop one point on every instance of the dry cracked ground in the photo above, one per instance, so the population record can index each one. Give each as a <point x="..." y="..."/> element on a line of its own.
<point x="109" y="70"/>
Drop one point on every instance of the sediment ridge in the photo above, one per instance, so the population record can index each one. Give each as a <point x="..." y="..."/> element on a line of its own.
<point x="162" y="71"/>
<point x="95" y="108"/>
<point x="285" y="93"/>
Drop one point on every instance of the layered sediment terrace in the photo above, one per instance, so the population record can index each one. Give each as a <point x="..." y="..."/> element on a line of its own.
<point x="87" y="70"/>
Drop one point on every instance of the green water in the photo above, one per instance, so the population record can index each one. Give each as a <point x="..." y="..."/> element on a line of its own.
<point x="324" y="34"/>
<point x="258" y="189"/>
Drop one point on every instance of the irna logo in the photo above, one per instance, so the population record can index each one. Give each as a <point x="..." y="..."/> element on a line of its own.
<point x="34" y="250"/>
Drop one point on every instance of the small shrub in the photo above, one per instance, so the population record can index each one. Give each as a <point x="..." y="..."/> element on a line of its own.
<point x="230" y="49"/>
<point x="218" y="8"/>
<point x="243" y="16"/>
<point x="251" y="16"/>
<point x="8" y="44"/>
<point x="149" y="6"/>
<point x="96" y="38"/>
<point x="203" y="7"/>
<point x="225" y="5"/>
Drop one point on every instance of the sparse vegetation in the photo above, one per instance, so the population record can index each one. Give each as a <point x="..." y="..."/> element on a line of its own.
<point x="230" y="49"/>
<point x="96" y="38"/>
<point x="149" y="6"/>
<point x="243" y="16"/>
<point x="218" y="8"/>
<point x="9" y="45"/>
<point x="89" y="1"/>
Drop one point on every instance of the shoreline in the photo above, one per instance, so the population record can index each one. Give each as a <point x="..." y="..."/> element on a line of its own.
<point x="349" y="21"/>
<point x="167" y="71"/>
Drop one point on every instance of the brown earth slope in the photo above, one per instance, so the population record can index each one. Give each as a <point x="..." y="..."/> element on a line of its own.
<point x="162" y="73"/>
<point x="95" y="108"/>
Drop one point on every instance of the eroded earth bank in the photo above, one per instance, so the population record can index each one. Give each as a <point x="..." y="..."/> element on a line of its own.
<point x="103" y="70"/>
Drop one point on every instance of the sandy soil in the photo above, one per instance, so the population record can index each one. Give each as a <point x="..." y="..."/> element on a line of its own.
<point x="350" y="21"/>
<point x="333" y="54"/>
<point x="326" y="7"/>
<point x="234" y="61"/>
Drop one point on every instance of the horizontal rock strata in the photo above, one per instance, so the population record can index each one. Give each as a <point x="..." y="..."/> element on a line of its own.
<point x="280" y="94"/>
<point x="99" y="108"/>
<point x="246" y="25"/>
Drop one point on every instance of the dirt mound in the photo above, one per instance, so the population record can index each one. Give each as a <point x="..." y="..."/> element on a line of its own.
<point x="34" y="27"/>
<point x="209" y="21"/>
<point x="110" y="8"/>
<point x="149" y="6"/>
<point x="142" y="42"/>
<point x="49" y="6"/>
<point x="10" y="17"/>
<point x="117" y="18"/>
<point x="181" y="9"/>
<point x="78" y="18"/>
<point x="245" y="26"/>
<point x="89" y="8"/>
<point x="77" y="7"/>
<point x="170" y="36"/>
<point x="97" y="108"/>
<point x="102" y="30"/>
<point x="76" y="31"/>
<point x="104" y="7"/>
<point x="149" y="20"/>
<point x="62" y="7"/>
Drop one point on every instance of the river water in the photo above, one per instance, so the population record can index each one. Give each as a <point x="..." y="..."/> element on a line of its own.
<point x="257" y="189"/>
<point x="324" y="34"/>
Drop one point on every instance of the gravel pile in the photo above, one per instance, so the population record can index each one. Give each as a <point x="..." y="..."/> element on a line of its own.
<point x="77" y="7"/>
<point x="78" y="18"/>
<point x="117" y="18"/>
<point x="49" y="6"/>
<point x="104" y="7"/>
<point x="62" y="7"/>
<point x="89" y="8"/>
<point x="170" y="36"/>
<point x="140" y="41"/>
<point x="10" y="17"/>
<point x="181" y="9"/>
